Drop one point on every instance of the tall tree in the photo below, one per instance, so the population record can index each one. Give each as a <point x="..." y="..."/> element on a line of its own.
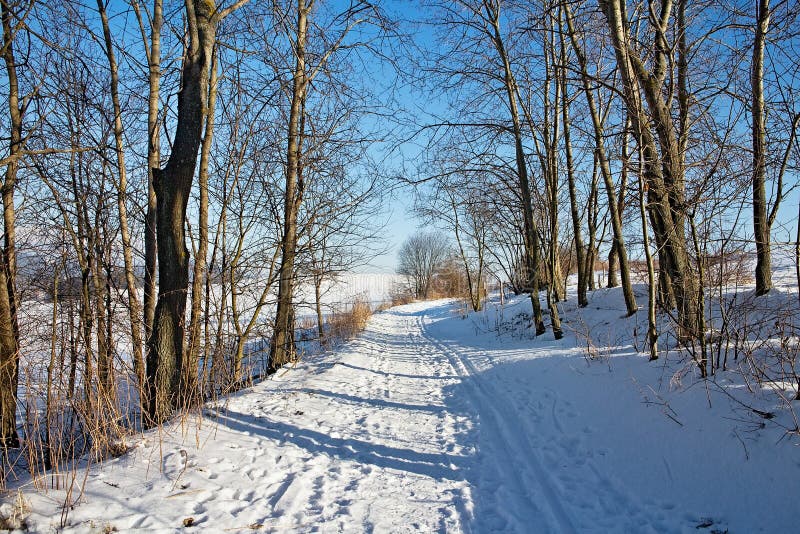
<point x="420" y="258"/>
<point x="9" y="330"/>
<point x="304" y="73"/>
<point x="761" y="223"/>
<point x="134" y="307"/>
<point x="199" y="272"/>
<point x="167" y="359"/>
<point x="663" y="153"/>
<point x="490" y="9"/>
<point x="580" y="251"/>
<point x="152" y="48"/>
<point x="282" y="344"/>
<point x="604" y="166"/>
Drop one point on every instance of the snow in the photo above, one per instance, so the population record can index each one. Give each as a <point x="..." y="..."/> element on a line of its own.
<point x="375" y="288"/>
<point x="437" y="421"/>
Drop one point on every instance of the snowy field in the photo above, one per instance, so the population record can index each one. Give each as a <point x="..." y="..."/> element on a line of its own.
<point x="436" y="422"/>
<point x="374" y="288"/>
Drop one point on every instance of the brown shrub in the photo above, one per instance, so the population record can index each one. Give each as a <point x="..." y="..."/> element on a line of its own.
<point x="730" y="269"/>
<point x="349" y="322"/>
<point x="401" y="296"/>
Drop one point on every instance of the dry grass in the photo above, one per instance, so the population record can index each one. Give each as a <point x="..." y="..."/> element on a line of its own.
<point x="732" y="269"/>
<point x="400" y="297"/>
<point x="13" y="514"/>
<point x="349" y="322"/>
<point x="383" y="306"/>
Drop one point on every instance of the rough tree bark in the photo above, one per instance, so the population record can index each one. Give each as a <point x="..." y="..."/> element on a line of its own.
<point x="282" y="343"/>
<point x="200" y="258"/>
<point x="9" y="331"/>
<point x="531" y="233"/>
<point x="664" y="169"/>
<point x="619" y="248"/>
<point x="761" y="225"/>
<point x="167" y="357"/>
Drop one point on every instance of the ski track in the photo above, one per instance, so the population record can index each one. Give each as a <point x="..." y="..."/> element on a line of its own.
<point x="526" y="480"/>
<point x="532" y="436"/>
<point x="401" y="430"/>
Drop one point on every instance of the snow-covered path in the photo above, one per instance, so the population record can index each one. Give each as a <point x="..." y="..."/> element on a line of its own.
<point x="428" y="423"/>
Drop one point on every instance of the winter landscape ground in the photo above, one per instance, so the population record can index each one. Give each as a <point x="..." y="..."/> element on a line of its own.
<point x="434" y="420"/>
<point x="191" y="191"/>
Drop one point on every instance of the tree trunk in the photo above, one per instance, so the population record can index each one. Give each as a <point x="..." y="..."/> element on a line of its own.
<point x="153" y="53"/>
<point x="618" y="249"/>
<point x="652" y="330"/>
<point x="702" y="361"/>
<point x="99" y="289"/>
<point x="282" y="348"/>
<point x="153" y="164"/>
<point x="531" y="233"/>
<point x="761" y="225"/>
<point x="613" y="263"/>
<point x="592" y="214"/>
<point x="9" y="331"/>
<point x="191" y="372"/>
<point x="551" y="173"/>
<point x="166" y="358"/>
<point x="134" y="310"/>
<point x="577" y="238"/>
<point x="473" y="286"/>
<point x="664" y="171"/>
<point x="318" y="308"/>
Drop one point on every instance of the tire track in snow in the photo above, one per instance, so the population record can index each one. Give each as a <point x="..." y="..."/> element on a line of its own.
<point x="491" y="405"/>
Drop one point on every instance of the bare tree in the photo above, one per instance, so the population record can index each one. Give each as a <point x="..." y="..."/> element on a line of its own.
<point x="134" y="307"/>
<point x="760" y="222"/>
<point x="167" y="365"/>
<point x="152" y="48"/>
<point x="764" y="216"/>
<point x="282" y="344"/>
<point x="604" y="166"/>
<point x="419" y="259"/>
<point x="663" y="153"/>
<point x="307" y="67"/>
<point x="9" y="329"/>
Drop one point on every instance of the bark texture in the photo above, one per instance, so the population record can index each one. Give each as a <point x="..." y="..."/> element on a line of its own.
<point x="282" y="349"/>
<point x="167" y="358"/>
<point x="761" y="224"/>
<point x="9" y="332"/>
<point x="663" y="158"/>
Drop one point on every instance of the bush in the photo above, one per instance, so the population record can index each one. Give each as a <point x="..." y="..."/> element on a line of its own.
<point x="351" y="321"/>
<point x="401" y="295"/>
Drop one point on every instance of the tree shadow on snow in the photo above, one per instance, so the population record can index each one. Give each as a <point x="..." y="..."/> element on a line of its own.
<point x="439" y="466"/>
